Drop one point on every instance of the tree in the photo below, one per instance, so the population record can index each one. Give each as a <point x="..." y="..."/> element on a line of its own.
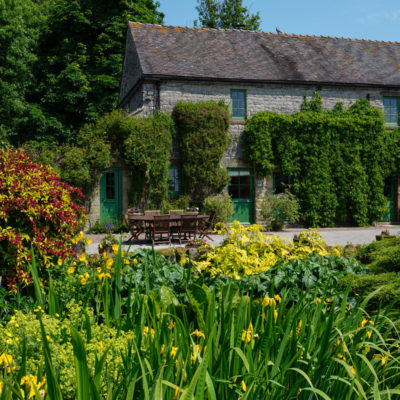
<point x="226" y="14"/>
<point x="80" y="53"/>
<point x="20" y="22"/>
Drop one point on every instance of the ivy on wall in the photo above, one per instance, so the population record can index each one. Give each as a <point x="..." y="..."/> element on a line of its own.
<point x="144" y="144"/>
<point x="202" y="134"/>
<point x="337" y="160"/>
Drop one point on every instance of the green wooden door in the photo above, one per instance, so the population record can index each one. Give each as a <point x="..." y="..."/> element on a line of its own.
<point x="110" y="195"/>
<point x="241" y="189"/>
<point x="390" y="193"/>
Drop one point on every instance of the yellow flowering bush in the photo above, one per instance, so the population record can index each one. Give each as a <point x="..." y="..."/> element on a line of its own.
<point x="58" y="335"/>
<point x="247" y="251"/>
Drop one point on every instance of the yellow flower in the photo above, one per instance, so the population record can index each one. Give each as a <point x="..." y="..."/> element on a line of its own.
<point x="89" y="241"/>
<point x="173" y="352"/>
<point x="367" y="349"/>
<point x="101" y="345"/>
<point x="317" y="300"/>
<point x="275" y="315"/>
<point x="369" y="334"/>
<point x="115" y="248"/>
<point x="70" y="270"/>
<point x="353" y="370"/>
<point x="162" y="349"/>
<point x="126" y="261"/>
<point x="109" y="263"/>
<point x="60" y="262"/>
<point x="100" y="246"/>
<point x="82" y="257"/>
<point x="244" y="387"/>
<point x="269" y="301"/>
<point x="176" y="393"/>
<point x="278" y="298"/>
<point x="135" y="261"/>
<point x="198" y="334"/>
<point x="171" y="324"/>
<point x="247" y="334"/>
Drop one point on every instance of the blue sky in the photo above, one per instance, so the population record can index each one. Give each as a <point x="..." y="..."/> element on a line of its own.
<point x="363" y="19"/>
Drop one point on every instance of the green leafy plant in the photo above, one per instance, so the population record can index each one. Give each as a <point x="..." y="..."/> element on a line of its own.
<point x="325" y="152"/>
<point x="279" y="208"/>
<point x="202" y="133"/>
<point x="222" y="205"/>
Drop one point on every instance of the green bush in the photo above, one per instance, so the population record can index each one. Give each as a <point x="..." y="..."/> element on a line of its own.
<point x="279" y="208"/>
<point x="387" y="283"/>
<point x="175" y="203"/>
<point x="381" y="256"/>
<point x="336" y="159"/>
<point x="222" y="205"/>
<point x="202" y="133"/>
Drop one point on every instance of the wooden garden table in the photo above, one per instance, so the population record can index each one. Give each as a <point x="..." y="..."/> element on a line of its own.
<point x="141" y="222"/>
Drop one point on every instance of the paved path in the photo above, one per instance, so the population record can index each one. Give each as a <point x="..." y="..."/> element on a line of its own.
<point x="332" y="236"/>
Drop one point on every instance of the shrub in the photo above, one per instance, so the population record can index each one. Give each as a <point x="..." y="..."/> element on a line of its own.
<point x="381" y="256"/>
<point x="278" y="208"/>
<point x="337" y="159"/>
<point x="387" y="283"/>
<point x="247" y="251"/>
<point x="202" y="132"/>
<point x="36" y="209"/>
<point x="222" y="205"/>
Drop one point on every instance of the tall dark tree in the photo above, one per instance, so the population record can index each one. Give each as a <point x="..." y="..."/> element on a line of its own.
<point x="80" y="63"/>
<point x="20" y="22"/>
<point x="226" y="14"/>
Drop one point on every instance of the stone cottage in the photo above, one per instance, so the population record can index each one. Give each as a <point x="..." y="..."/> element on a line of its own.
<point x="254" y="71"/>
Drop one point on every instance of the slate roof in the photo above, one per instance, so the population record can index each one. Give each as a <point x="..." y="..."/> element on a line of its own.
<point x="171" y="51"/>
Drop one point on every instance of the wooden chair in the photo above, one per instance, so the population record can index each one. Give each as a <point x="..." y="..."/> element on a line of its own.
<point x="152" y="212"/>
<point x="161" y="227"/>
<point x="189" y="226"/>
<point x="175" y="212"/>
<point x="136" y="228"/>
<point x="175" y="225"/>
<point x="206" y="225"/>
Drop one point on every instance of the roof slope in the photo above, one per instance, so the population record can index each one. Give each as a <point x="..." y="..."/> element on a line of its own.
<point x="236" y="55"/>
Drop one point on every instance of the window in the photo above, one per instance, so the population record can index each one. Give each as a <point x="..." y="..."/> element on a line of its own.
<point x="391" y="110"/>
<point x="110" y="186"/>
<point x="173" y="188"/>
<point x="240" y="184"/>
<point x="238" y="105"/>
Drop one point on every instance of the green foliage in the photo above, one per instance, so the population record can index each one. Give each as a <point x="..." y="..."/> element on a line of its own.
<point x="202" y="132"/>
<point x="20" y="23"/>
<point x="279" y="208"/>
<point x="381" y="256"/>
<point x="114" y="226"/>
<point x="180" y="202"/>
<point x="147" y="152"/>
<point x="337" y="160"/>
<point x="80" y="55"/>
<point x="385" y="286"/>
<point x="222" y="205"/>
<point x="317" y="275"/>
<point x="226" y="14"/>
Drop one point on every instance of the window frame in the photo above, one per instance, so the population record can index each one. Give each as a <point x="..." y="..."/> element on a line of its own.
<point x="391" y="124"/>
<point x="178" y="172"/>
<point x="245" y="105"/>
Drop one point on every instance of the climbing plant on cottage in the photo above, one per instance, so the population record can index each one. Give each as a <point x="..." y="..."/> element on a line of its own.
<point x="337" y="160"/>
<point x="202" y="132"/>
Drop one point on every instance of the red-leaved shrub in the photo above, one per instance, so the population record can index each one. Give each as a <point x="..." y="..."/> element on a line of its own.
<point x="36" y="209"/>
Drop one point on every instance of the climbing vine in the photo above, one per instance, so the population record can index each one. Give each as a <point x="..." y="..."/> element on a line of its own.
<point x="202" y="134"/>
<point x="337" y="160"/>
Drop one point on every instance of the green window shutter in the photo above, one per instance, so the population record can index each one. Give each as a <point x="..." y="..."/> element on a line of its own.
<point x="238" y="106"/>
